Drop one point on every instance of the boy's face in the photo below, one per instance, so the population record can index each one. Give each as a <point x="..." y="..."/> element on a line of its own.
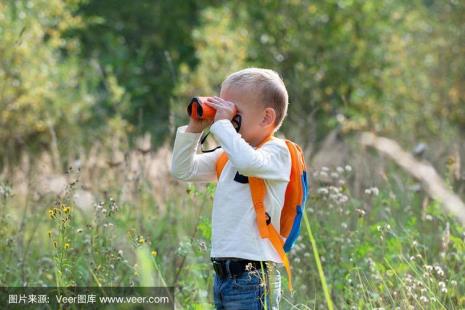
<point x="256" y="121"/>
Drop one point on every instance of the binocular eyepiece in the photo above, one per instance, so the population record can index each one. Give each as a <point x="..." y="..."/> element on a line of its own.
<point x="199" y="110"/>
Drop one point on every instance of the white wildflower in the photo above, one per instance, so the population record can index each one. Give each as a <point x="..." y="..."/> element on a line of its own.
<point x="361" y="212"/>
<point x="343" y="198"/>
<point x="334" y="189"/>
<point x="439" y="271"/>
<point x="372" y="191"/>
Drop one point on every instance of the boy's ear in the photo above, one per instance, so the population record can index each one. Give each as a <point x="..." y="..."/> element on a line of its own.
<point x="269" y="116"/>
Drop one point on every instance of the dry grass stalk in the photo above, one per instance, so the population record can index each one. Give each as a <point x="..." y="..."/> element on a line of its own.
<point x="423" y="171"/>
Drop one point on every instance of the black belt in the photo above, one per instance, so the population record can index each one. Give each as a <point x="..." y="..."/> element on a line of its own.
<point x="236" y="266"/>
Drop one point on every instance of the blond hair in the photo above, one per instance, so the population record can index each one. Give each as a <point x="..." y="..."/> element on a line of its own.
<point x="269" y="85"/>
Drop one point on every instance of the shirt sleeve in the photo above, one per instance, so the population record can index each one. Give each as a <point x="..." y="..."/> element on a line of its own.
<point x="271" y="161"/>
<point x="186" y="164"/>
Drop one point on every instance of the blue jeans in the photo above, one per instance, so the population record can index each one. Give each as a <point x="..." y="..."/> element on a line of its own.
<point x="248" y="291"/>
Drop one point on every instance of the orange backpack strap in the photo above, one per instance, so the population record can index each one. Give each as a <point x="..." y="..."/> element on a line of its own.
<point x="220" y="163"/>
<point x="265" y="227"/>
<point x="258" y="191"/>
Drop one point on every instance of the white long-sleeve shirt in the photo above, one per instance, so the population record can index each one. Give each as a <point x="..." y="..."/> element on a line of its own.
<point x="234" y="227"/>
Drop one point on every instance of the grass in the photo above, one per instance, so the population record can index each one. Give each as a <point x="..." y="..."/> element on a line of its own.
<point x="382" y="248"/>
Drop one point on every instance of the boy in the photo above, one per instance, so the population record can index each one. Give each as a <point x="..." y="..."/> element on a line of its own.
<point x="260" y="97"/>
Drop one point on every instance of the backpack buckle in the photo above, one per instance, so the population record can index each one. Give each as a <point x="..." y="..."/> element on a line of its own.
<point x="268" y="218"/>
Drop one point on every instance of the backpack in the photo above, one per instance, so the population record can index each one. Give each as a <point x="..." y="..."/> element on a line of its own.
<point x="294" y="203"/>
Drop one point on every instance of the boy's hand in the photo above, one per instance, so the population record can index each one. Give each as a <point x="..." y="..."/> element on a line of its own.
<point x="224" y="109"/>
<point x="198" y="125"/>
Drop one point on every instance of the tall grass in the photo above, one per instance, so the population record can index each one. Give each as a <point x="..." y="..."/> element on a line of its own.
<point x="387" y="246"/>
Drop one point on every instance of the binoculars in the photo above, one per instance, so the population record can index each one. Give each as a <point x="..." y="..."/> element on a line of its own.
<point x="198" y="109"/>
